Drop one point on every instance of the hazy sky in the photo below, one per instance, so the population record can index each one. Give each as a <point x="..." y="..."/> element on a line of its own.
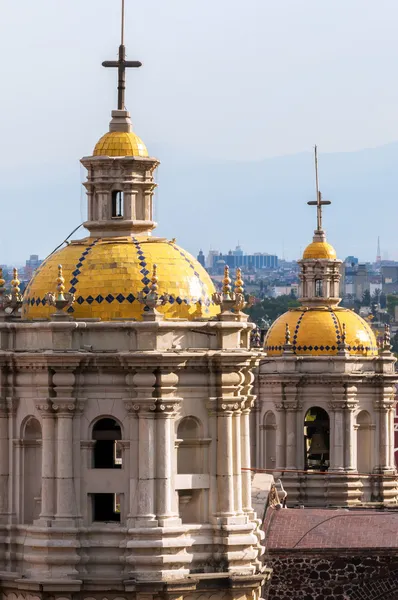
<point x="222" y="79"/>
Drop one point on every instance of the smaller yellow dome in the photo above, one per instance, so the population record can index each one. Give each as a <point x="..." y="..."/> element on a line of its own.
<point x="320" y="250"/>
<point x="120" y="143"/>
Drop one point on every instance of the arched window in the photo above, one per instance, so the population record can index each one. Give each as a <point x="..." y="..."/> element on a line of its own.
<point x="117" y="204"/>
<point x="318" y="288"/>
<point x="190" y="451"/>
<point x="107" y="451"/>
<point x="317" y="439"/>
<point x="364" y="442"/>
<point x="31" y="445"/>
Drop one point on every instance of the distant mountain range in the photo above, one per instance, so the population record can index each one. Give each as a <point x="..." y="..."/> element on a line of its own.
<point x="215" y="204"/>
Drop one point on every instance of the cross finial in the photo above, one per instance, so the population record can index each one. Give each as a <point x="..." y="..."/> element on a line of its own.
<point x="318" y="202"/>
<point x="122" y="64"/>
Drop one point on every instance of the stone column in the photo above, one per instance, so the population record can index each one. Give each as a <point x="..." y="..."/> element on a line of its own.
<point x="246" y="463"/>
<point x="350" y="432"/>
<point x="291" y="406"/>
<point x="384" y="437"/>
<point x="143" y="406"/>
<point x="392" y="433"/>
<point x="337" y="439"/>
<point x="4" y="462"/>
<point x="166" y="406"/>
<point x="350" y="438"/>
<point x="64" y="406"/>
<point x="237" y="462"/>
<point x="48" y="463"/>
<point x="280" y="459"/>
<point x="225" y="467"/>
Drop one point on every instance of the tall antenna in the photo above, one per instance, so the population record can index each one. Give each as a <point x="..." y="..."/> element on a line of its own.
<point x="378" y="256"/>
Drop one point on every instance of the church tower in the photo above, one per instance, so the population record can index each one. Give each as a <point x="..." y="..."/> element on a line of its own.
<point x="327" y="394"/>
<point x="126" y="392"/>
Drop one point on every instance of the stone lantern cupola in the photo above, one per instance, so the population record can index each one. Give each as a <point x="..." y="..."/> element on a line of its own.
<point x="120" y="182"/>
<point x="320" y="268"/>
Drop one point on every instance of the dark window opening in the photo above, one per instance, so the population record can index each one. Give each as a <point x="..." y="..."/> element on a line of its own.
<point x="106" y="507"/>
<point x="117" y="204"/>
<point x="318" y="288"/>
<point x="107" y="450"/>
<point x="316" y="439"/>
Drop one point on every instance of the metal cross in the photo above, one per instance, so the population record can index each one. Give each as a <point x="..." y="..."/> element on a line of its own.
<point x="122" y="64"/>
<point x="318" y="202"/>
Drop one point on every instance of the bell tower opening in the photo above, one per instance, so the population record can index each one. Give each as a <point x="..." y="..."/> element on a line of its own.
<point x="318" y="288"/>
<point x="117" y="204"/>
<point x="316" y="439"/>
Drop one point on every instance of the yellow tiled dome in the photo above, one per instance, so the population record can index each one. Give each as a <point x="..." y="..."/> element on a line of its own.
<point x="320" y="250"/>
<point x="120" y="143"/>
<point x="317" y="332"/>
<point x="106" y="276"/>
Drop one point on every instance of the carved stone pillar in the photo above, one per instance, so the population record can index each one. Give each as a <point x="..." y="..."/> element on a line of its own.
<point x="144" y="407"/>
<point x="237" y="416"/>
<point x="225" y="465"/>
<point x="229" y="380"/>
<point x="350" y="432"/>
<point x="48" y="462"/>
<point x="64" y="406"/>
<point x="386" y="430"/>
<point x="4" y="461"/>
<point x="291" y="406"/>
<point x="337" y="430"/>
<point x="166" y="405"/>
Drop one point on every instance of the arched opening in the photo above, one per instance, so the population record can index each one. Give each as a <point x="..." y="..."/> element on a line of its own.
<point x="117" y="204"/>
<point x="316" y="439"/>
<point x="192" y="458"/>
<point x="32" y="455"/>
<point x="364" y="442"/>
<point x="269" y="440"/>
<point x="318" y="288"/>
<point x="190" y="451"/>
<point x="107" y="449"/>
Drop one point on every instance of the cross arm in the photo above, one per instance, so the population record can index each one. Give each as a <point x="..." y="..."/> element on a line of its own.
<point x="320" y="203"/>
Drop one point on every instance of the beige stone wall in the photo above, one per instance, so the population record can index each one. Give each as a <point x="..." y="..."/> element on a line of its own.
<point x="179" y="396"/>
<point x="358" y="395"/>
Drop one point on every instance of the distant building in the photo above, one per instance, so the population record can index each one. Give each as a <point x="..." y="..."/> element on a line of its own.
<point x="31" y="265"/>
<point x="237" y="258"/>
<point x="389" y="275"/>
<point x="201" y="258"/>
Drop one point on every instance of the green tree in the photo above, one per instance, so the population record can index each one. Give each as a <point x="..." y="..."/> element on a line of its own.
<point x="392" y="301"/>
<point x="366" y="298"/>
<point x="270" y="309"/>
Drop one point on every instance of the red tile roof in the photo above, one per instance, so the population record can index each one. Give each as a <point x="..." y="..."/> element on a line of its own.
<point x="323" y="528"/>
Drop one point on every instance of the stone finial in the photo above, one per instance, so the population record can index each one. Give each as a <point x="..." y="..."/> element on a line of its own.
<point x="387" y="338"/>
<point x="15" y="290"/>
<point x="2" y="290"/>
<point x="344" y="334"/>
<point x="152" y="300"/>
<point x="12" y="302"/>
<point x="343" y="347"/>
<point x="255" y="338"/>
<point x="287" y="335"/>
<point x="232" y="301"/>
<point x="60" y="299"/>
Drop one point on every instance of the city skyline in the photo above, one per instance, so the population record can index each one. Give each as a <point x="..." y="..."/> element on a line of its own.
<point x="243" y="106"/>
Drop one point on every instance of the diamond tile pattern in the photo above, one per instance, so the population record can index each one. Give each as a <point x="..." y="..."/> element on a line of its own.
<point x="317" y="332"/>
<point x="113" y="272"/>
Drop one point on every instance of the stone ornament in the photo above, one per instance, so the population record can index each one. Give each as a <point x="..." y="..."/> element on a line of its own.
<point x="61" y="300"/>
